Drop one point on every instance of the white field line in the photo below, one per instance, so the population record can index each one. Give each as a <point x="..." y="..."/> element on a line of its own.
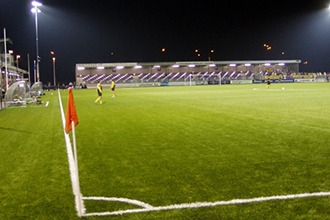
<point x="72" y="166"/>
<point x="149" y="208"/>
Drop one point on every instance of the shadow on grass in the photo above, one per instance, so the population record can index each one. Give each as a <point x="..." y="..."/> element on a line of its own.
<point x="17" y="130"/>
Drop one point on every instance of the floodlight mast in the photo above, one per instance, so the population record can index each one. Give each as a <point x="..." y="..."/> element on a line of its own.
<point x="36" y="10"/>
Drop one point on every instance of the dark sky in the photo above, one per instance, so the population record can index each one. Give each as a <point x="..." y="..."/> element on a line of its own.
<point x="97" y="31"/>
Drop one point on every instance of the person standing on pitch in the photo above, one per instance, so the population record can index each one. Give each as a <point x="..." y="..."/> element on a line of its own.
<point x="113" y="87"/>
<point x="268" y="83"/>
<point x="99" y="92"/>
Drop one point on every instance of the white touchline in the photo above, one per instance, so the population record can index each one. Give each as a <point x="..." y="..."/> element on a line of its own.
<point x="72" y="166"/>
<point x="149" y="208"/>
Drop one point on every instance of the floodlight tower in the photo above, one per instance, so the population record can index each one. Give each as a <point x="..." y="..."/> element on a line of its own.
<point x="36" y="10"/>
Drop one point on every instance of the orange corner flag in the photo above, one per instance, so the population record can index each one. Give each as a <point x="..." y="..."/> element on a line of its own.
<point x="71" y="113"/>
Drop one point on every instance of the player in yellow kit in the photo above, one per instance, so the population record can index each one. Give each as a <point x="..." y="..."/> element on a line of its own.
<point x="99" y="92"/>
<point x="113" y="87"/>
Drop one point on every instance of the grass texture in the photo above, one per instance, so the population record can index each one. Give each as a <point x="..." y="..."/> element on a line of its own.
<point x="172" y="145"/>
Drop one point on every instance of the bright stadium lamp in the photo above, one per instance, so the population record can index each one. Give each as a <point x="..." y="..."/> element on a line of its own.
<point x="36" y="4"/>
<point x="81" y="68"/>
<point x="36" y="10"/>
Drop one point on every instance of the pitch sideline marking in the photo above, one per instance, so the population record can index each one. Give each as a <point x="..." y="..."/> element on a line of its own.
<point x="149" y="208"/>
<point x="71" y="161"/>
<point x="199" y="204"/>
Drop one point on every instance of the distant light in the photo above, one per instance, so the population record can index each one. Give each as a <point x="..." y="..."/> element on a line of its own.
<point x="247" y="64"/>
<point x="191" y="65"/>
<point x="138" y="67"/>
<point x="80" y="68"/>
<point x="120" y="67"/>
<point x="267" y="64"/>
<point x="36" y="4"/>
<point x="175" y="66"/>
<point x="281" y="64"/>
<point x="232" y="64"/>
<point x="156" y="66"/>
<point x="100" y="67"/>
<point x="212" y="65"/>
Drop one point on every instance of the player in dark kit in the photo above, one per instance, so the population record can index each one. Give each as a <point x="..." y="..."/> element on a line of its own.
<point x="268" y="83"/>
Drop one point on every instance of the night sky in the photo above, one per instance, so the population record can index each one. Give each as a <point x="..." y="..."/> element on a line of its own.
<point x="103" y="31"/>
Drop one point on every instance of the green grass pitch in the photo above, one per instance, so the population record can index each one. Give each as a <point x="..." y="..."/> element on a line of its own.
<point x="172" y="145"/>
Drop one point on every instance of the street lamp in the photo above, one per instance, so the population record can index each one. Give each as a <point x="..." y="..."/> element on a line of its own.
<point x="53" y="53"/>
<point x="210" y="54"/>
<point x="17" y="66"/>
<point x="36" y="10"/>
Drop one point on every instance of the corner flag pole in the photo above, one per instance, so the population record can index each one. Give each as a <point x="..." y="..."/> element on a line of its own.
<point x="78" y="194"/>
<point x="71" y="121"/>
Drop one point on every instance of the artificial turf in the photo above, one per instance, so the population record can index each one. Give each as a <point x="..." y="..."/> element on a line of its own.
<point x="172" y="145"/>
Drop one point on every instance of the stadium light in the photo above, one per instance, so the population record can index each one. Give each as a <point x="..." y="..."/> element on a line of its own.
<point x="80" y="68"/>
<point x="36" y="10"/>
<point x="100" y="67"/>
<point x="36" y="4"/>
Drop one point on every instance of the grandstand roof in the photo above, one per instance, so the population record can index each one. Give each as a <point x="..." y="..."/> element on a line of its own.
<point x="184" y="63"/>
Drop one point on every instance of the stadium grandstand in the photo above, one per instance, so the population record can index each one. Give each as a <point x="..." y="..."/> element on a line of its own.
<point x="192" y="73"/>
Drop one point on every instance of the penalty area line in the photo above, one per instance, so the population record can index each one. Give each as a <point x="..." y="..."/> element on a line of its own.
<point x="149" y="208"/>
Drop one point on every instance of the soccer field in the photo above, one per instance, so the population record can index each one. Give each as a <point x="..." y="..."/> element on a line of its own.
<point x="214" y="151"/>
